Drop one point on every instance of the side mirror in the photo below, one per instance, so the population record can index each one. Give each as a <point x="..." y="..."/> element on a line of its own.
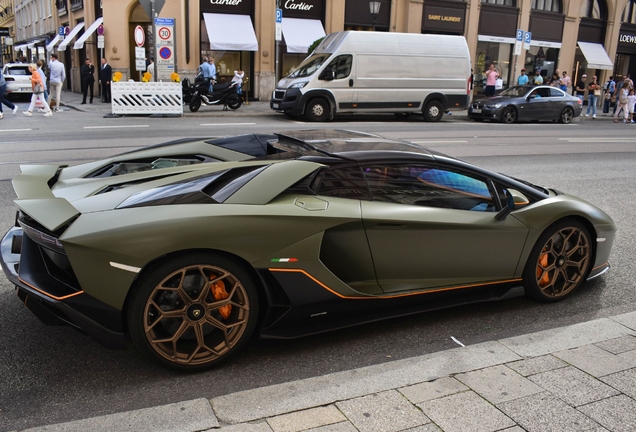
<point x="514" y="200"/>
<point x="327" y="74"/>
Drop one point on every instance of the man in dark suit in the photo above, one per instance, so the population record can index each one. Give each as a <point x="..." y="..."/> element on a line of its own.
<point x="105" y="77"/>
<point x="87" y="74"/>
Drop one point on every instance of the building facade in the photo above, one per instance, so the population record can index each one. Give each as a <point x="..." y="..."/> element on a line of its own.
<point x="596" y="37"/>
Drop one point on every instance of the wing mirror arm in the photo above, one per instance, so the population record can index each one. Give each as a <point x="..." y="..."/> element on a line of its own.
<point x="509" y="207"/>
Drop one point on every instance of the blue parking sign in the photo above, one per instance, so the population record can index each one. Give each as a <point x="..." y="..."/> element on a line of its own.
<point x="279" y="15"/>
<point x="527" y="38"/>
<point x="60" y="30"/>
<point x="520" y="35"/>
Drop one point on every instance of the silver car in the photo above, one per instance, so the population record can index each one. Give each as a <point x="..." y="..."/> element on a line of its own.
<point x="18" y="78"/>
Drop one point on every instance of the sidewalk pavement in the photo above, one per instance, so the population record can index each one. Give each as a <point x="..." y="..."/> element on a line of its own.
<point x="576" y="378"/>
<point x="73" y="101"/>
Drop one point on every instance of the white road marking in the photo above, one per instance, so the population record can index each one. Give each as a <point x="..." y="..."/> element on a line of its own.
<point x="457" y="342"/>
<point x="116" y="127"/>
<point x="226" y="124"/>
<point x="436" y="142"/>
<point x="15" y="130"/>
<point x="599" y="140"/>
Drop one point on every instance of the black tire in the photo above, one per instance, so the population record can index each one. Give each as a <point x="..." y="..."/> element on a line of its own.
<point x="509" y="115"/>
<point x="433" y="112"/>
<point x="559" y="262"/>
<point x="317" y="110"/>
<point x="402" y="116"/>
<point x="193" y="311"/>
<point x="567" y="115"/>
<point x="195" y="103"/>
<point x="234" y="101"/>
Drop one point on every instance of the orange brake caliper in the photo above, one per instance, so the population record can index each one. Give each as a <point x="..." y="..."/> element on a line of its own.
<point x="219" y="293"/>
<point x="543" y="263"/>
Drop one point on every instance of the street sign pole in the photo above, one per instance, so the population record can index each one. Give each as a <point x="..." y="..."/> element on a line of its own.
<point x="154" y="44"/>
<point x="279" y="20"/>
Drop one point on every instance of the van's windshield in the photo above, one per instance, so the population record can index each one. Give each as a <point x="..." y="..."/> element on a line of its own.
<point x="309" y="66"/>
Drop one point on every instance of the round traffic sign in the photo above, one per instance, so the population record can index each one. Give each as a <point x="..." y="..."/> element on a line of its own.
<point x="67" y="30"/>
<point x="140" y="36"/>
<point x="165" y="53"/>
<point x="164" y="33"/>
<point x="100" y="30"/>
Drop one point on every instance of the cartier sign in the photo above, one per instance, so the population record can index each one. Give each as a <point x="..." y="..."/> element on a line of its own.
<point x="308" y="9"/>
<point x="226" y="2"/>
<point x="227" y="6"/>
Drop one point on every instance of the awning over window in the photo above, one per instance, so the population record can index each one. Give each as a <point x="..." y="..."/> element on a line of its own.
<point x="79" y="44"/>
<point x="22" y="47"/>
<point x="300" y="33"/>
<point x="229" y="32"/>
<point x="596" y="56"/>
<point x="54" y="42"/>
<point x="67" y="40"/>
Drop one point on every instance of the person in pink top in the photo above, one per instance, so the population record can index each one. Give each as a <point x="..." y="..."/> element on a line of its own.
<point x="38" y="93"/>
<point x="491" y="79"/>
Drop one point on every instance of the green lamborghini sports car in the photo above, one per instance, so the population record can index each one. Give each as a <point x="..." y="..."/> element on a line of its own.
<point x="194" y="246"/>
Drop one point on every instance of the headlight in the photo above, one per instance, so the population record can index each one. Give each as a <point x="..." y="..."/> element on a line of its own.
<point x="495" y="106"/>
<point x="298" y="85"/>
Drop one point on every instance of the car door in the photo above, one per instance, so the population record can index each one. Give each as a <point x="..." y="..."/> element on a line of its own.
<point x="539" y="105"/>
<point x="430" y="226"/>
<point x="342" y="84"/>
<point x="557" y="97"/>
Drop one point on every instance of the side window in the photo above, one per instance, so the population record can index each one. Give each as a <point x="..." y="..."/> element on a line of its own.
<point x="428" y="186"/>
<point x="343" y="182"/>
<point x="544" y="92"/>
<point x="341" y="66"/>
<point x="555" y="93"/>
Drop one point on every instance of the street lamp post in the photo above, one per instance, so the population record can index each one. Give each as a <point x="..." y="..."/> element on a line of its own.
<point x="374" y="8"/>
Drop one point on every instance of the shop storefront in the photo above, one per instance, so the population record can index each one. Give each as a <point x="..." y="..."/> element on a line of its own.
<point x="358" y="16"/>
<point x="303" y="23"/>
<point x="444" y="17"/>
<point x="227" y="35"/>
<point x="495" y="43"/>
<point x="626" y="51"/>
<point x="591" y="57"/>
<point x="547" y="33"/>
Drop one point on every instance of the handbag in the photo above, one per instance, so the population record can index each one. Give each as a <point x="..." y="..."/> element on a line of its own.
<point x="597" y="92"/>
<point x="37" y="89"/>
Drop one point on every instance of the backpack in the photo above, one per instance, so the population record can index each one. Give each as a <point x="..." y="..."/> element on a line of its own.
<point x="606" y="86"/>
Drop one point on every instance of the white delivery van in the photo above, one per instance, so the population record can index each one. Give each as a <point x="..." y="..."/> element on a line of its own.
<point x="374" y="72"/>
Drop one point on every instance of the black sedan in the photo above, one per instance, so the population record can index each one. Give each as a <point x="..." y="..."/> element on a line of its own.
<point x="527" y="103"/>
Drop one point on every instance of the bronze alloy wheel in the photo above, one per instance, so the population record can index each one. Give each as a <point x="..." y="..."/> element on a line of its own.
<point x="562" y="262"/>
<point x="193" y="314"/>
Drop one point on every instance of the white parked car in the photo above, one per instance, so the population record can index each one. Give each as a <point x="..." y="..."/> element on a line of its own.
<point x="18" y="78"/>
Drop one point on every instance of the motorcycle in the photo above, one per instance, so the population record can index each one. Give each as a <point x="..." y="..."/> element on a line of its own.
<point x="222" y="94"/>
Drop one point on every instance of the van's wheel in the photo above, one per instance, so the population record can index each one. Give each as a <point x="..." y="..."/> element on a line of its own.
<point x="193" y="311"/>
<point x="559" y="262"/>
<point x="317" y="110"/>
<point x="433" y="111"/>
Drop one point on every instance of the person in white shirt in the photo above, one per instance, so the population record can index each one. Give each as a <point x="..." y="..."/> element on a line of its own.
<point x="58" y="75"/>
<point x="151" y="69"/>
<point x="238" y="78"/>
<point x="631" y="101"/>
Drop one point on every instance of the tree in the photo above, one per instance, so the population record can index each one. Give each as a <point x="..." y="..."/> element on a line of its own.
<point x="314" y="45"/>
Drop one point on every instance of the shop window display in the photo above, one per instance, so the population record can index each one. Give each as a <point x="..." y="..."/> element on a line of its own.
<point x="489" y="53"/>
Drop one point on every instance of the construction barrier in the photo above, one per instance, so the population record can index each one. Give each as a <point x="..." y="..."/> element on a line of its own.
<point x="132" y="97"/>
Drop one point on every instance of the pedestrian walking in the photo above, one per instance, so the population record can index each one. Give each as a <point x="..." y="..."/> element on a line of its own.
<point x="39" y="64"/>
<point x="593" y="93"/>
<point x="608" y="93"/>
<point x="622" y="102"/>
<point x="87" y="75"/>
<point x="105" y="78"/>
<point x="56" y="79"/>
<point x="3" y="98"/>
<point x="580" y="87"/>
<point x="631" y="103"/>
<point x="38" y="92"/>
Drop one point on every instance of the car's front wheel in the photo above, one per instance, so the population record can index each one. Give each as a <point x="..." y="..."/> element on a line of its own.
<point x="193" y="311"/>
<point x="566" y="115"/>
<point x="509" y="115"/>
<point x="559" y="262"/>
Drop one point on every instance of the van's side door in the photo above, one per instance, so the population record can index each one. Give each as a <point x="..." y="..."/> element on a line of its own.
<point x="342" y="84"/>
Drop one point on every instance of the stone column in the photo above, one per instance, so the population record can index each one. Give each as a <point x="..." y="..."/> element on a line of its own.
<point x="265" y="58"/>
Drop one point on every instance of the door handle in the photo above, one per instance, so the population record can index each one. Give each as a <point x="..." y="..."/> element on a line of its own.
<point x="351" y="82"/>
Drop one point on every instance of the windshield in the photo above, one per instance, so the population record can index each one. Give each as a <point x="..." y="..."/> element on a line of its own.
<point x="309" y="66"/>
<point x="516" y="91"/>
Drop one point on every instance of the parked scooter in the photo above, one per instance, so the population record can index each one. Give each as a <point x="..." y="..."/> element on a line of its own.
<point x="222" y="94"/>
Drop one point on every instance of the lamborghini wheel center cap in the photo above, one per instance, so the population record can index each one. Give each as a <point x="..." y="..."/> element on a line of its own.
<point x="196" y="312"/>
<point x="560" y="261"/>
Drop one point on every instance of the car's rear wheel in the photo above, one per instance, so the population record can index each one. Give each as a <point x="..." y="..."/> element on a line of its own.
<point x="433" y="111"/>
<point x="317" y="110"/>
<point x="509" y="115"/>
<point x="566" y="115"/>
<point x="559" y="262"/>
<point x="193" y="311"/>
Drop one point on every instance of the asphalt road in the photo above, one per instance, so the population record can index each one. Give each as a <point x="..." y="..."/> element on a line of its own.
<point x="54" y="374"/>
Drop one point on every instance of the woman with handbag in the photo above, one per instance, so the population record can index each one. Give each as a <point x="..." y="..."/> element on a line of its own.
<point x="38" y="92"/>
<point x="622" y="102"/>
<point x="593" y="93"/>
